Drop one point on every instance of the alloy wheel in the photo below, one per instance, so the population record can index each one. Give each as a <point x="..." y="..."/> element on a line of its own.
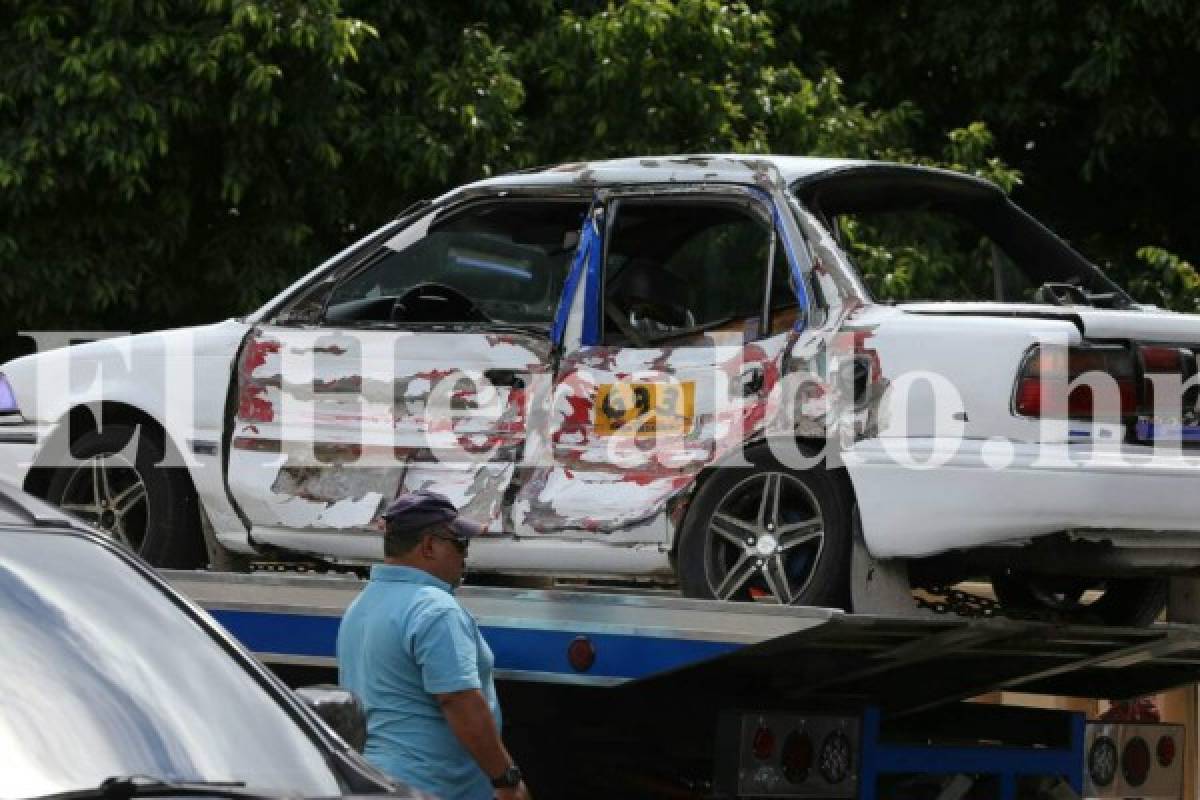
<point x="108" y="491"/>
<point x="765" y="540"/>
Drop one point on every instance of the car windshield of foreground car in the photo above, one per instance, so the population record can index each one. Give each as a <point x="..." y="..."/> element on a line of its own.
<point x="102" y="675"/>
<point x="501" y="261"/>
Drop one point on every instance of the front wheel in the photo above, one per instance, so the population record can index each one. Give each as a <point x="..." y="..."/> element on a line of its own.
<point x="1116" y="601"/>
<point x="769" y="534"/>
<point x="151" y="509"/>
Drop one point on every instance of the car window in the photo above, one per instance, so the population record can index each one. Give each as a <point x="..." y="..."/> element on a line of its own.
<point x="499" y="261"/>
<point x="680" y="265"/>
<point x="930" y="255"/>
<point x="101" y="674"/>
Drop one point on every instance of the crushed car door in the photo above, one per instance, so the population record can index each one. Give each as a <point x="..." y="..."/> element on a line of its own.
<point x="413" y="377"/>
<point x="688" y="315"/>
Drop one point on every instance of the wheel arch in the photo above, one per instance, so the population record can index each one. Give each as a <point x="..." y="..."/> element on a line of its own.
<point x="85" y="418"/>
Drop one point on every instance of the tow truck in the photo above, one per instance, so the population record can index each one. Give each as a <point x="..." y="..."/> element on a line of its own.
<point x="640" y="693"/>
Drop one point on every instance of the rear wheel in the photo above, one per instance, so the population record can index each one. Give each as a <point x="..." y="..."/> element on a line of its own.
<point x="767" y="533"/>
<point x="149" y="508"/>
<point x="1114" y="601"/>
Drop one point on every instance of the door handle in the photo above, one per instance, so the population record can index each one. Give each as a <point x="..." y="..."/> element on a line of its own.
<point x="509" y="378"/>
<point x="752" y="380"/>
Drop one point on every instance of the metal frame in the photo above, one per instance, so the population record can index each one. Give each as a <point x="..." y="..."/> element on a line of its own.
<point x="1007" y="763"/>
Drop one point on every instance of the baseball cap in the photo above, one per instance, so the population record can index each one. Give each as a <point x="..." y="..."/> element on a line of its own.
<point x="415" y="511"/>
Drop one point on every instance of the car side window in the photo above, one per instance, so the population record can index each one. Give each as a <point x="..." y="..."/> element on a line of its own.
<point x="679" y="265"/>
<point x="502" y="261"/>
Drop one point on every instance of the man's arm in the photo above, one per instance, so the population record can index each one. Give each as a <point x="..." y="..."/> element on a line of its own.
<point x="469" y="717"/>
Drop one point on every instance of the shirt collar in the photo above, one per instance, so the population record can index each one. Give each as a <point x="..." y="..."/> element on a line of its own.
<point x="398" y="573"/>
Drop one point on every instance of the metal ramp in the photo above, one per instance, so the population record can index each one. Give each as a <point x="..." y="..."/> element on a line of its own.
<point x="651" y="641"/>
<point x="905" y="666"/>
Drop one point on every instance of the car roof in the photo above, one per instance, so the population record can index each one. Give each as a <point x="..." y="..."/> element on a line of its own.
<point x="731" y="168"/>
<point x="746" y="169"/>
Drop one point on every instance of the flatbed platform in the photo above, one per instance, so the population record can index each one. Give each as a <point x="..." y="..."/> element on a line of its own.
<point x="902" y="665"/>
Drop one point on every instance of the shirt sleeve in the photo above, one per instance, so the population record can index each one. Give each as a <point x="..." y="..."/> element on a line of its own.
<point x="446" y="652"/>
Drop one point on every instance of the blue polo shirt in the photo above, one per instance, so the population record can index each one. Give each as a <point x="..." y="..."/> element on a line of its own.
<point x="404" y="639"/>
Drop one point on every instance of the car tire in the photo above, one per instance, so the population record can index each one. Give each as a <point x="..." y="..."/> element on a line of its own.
<point x="151" y="508"/>
<point x="1134" y="602"/>
<point x="726" y="551"/>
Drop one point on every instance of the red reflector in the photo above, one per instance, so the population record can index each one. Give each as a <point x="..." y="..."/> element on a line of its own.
<point x="581" y="654"/>
<point x="1135" y="761"/>
<point x="797" y="757"/>
<point x="1165" y="751"/>
<point x="763" y="744"/>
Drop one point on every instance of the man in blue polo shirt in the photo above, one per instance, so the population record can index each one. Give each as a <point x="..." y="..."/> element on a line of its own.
<point x="419" y="664"/>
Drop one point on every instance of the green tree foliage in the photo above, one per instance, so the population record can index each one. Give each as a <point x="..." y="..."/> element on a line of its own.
<point x="164" y="160"/>
<point x="173" y="161"/>
<point x="1091" y="101"/>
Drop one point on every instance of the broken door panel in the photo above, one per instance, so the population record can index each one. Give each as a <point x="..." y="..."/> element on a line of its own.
<point x="363" y="414"/>
<point x="683" y="371"/>
<point x="417" y="378"/>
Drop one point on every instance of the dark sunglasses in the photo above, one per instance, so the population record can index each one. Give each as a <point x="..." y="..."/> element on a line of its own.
<point x="460" y="544"/>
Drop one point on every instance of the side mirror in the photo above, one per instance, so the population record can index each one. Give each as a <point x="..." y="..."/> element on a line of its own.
<point x="341" y="709"/>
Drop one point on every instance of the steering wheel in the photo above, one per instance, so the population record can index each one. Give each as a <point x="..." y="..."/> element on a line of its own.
<point x="1062" y="294"/>
<point x="436" y="302"/>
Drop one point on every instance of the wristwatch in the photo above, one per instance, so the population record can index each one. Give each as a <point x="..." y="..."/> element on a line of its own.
<point x="509" y="779"/>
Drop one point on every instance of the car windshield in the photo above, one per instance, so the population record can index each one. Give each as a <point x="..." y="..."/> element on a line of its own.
<point x="499" y="261"/>
<point x="101" y="674"/>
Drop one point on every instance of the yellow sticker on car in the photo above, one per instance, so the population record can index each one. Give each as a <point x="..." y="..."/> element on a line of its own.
<point x="645" y="408"/>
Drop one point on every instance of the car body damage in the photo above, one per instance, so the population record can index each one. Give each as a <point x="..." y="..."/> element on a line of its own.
<point x="701" y="368"/>
<point x="361" y="418"/>
<point x="620" y="432"/>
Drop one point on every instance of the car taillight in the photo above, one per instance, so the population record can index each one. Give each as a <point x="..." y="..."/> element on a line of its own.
<point x="1135" y="761"/>
<point x="1165" y="750"/>
<point x="1105" y="381"/>
<point x="1158" y="361"/>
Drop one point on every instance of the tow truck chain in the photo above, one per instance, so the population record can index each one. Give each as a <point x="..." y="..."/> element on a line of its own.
<point x="948" y="600"/>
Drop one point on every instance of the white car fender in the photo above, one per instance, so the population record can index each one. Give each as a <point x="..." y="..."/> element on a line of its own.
<point x="180" y="378"/>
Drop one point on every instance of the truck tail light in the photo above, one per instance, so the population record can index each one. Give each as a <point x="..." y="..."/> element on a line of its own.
<point x="1102" y="761"/>
<point x="796" y="757"/>
<point x="836" y="758"/>
<point x="1135" y="761"/>
<point x="1044" y="383"/>
<point x="764" y="743"/>
<point x="1165" y="751"/>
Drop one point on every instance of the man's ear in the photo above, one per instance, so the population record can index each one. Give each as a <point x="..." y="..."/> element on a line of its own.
<point x="426" y="547"/>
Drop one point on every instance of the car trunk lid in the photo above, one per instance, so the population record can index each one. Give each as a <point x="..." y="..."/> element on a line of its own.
<point x="1143" y="324"/>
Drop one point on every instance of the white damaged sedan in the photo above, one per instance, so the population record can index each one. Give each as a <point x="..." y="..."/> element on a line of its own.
<point x="669" y="370"/>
